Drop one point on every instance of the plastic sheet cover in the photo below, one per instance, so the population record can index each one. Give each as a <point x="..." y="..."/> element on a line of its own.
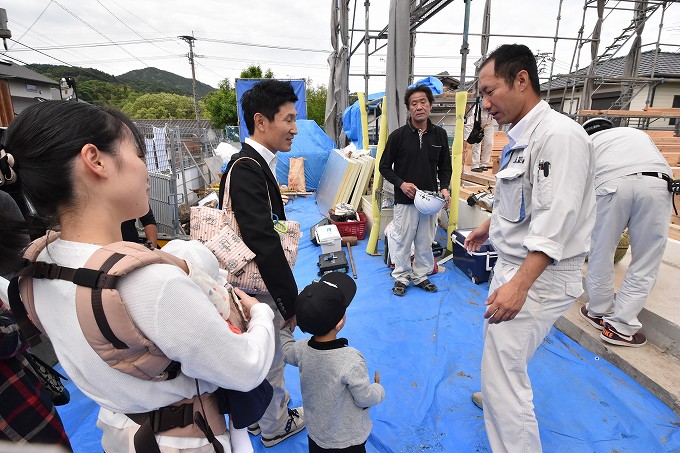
<point x="314" y="145"/>
<point x="428" y="347"/>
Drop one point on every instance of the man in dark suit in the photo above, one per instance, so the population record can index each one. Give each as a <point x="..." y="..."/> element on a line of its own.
<point x="269" y="113"/>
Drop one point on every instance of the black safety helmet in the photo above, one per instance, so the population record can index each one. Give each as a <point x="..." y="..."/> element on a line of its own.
<point x="596" y="125"/>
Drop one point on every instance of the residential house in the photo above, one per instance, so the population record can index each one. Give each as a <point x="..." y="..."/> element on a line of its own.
<point x="664" y="93"/>
<point x="24" y="87"/>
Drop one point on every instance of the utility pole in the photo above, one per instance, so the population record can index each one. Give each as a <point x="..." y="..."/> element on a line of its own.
<point x="190" y="40"/>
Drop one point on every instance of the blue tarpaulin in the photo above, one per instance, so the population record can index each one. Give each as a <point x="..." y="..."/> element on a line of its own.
<point x="243" y="85"/>
<point x="314" y="145"/>
<point x="427" y="348"/>
<point x="432" y="82"/>
<point x="351" y="119"/>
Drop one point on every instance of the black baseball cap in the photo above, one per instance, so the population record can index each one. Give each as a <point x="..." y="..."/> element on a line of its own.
<point x="322" y="304"/>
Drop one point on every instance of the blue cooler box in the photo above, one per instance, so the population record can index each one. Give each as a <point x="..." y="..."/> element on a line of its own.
<point x="476" y="265"/>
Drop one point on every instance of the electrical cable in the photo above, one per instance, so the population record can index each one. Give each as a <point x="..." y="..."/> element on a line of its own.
<point x="36" y="20"/>
<point x="159" y="31"/>
<point x="97" y="31"/>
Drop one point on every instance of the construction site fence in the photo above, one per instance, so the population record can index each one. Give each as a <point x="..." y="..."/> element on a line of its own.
<point x="176" y="159"/>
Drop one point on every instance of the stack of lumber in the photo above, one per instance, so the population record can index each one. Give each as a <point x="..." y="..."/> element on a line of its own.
<point x="668" y="144"/>
<point x="345" y="180"/>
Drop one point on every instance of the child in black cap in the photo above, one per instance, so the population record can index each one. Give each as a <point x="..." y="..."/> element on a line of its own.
<point x="336" y="389"/>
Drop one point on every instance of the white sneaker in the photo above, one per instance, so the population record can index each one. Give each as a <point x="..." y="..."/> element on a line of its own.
<point x="254" y="429"/>
<point x="294" y="424"/>
<point x="477" y="399"/>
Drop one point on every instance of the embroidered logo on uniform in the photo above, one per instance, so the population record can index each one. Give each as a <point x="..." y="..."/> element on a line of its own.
<point x="518" y="160"/>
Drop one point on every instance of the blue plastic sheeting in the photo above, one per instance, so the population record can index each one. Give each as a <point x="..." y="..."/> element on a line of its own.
<point x="351" y="118"/>
<point x="243" y="85"/>
<point x="428" y="347"/>
<point x="432" y="82"/>
<point x="314" y="145"/>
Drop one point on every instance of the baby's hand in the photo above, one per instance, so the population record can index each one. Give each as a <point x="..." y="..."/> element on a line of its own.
<point x="376" y="379"/>
<point x="246" y="301"/>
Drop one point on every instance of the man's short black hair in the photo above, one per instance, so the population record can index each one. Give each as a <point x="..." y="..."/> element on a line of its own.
<point x="510" y="59"/>
<point x="265" y="97"/>
<point x="422" y="88"/>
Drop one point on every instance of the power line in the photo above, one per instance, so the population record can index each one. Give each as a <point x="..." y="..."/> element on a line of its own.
<point x="268" y="62"/>
<point x="46" y="39"/>
<point x="131" y="29"/>
<point x="266" y="46"/>
<point x="40" y="52"/>
<point x="159" y="31"/>
<point x="97" y="31"/>
<point x="109" y="39"/>
<point x="36" y="20"/>
<point x="13" y="58"/>
<point x="102" y="44"/>
<point x="126" y="60"/>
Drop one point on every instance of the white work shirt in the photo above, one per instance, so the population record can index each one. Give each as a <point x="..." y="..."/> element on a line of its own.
<point x="267" y="155"/>
<point x="532" y="211"/>
<point x="621" y="151"/>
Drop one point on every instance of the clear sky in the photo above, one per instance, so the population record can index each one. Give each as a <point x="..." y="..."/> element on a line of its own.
<point x="292" y="38"/>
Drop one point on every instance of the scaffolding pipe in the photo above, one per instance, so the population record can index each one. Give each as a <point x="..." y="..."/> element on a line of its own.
<point x="465" y="48"/>
<point x="552" y="64"/>
<point x="648" y="102"/>
<point x="457" y="147"/>
<point x="573" y="57"/>
<point x="367" y="40"/>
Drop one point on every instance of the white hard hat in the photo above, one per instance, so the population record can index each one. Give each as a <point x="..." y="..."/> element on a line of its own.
<point x="597" y="124"/>
<point x="428" y="203"/>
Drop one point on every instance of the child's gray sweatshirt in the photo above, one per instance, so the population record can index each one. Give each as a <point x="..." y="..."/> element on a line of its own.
<point x="336" y="390"/>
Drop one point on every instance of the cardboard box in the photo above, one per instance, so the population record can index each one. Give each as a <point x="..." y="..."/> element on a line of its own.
<point x="328" y="237"/>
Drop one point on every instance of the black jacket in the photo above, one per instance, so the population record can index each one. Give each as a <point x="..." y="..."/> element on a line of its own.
<point x="420" y="165"/>
<point x="252" y="186"/>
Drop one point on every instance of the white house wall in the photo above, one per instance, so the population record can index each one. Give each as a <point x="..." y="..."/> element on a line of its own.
<point x="663" y="98"/>
<point x="22" y="98"/>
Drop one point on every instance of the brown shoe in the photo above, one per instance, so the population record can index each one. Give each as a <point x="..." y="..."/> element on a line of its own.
<point x="595" y="321"/>
<point x="611" y="336"/>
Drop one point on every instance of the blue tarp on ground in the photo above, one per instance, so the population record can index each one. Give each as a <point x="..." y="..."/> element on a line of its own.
<point x="428" y="347"/>
<point x="314" y="145"/>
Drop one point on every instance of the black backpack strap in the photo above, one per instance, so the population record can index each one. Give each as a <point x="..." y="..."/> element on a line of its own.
<point x="28" y="329"/>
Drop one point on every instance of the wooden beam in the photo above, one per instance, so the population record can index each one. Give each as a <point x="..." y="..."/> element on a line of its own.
<point x="479" y="178"/>
<point x="649" y="113"/>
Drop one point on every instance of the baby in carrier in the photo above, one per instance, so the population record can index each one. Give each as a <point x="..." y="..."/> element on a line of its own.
<point x="205" y="272"/>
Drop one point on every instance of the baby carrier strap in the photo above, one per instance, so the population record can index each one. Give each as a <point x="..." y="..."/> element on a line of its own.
<point x="104" y="318"/>
<point x="102" y="314"/>
<point x="110" y="331"/>
<point x="195" y="417"/>
<point x="24" y="313"/>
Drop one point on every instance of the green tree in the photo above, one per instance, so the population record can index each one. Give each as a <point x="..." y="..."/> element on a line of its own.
<point x="316" y="103"/>
<point x="161" y="106"/>
<point x="255" y="72"/>
<point x="220" y="106"/>
<point x="106" y="93"/>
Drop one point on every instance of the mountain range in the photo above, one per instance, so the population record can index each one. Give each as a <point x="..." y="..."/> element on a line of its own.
<point x="147" y="80"/>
